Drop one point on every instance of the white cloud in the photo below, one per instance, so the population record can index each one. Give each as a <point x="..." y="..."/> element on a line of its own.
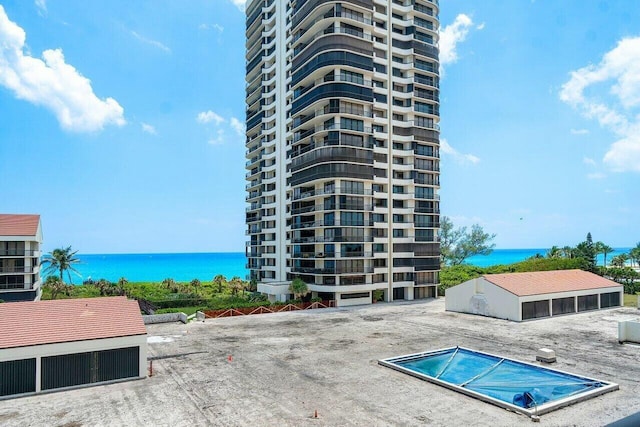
<point x="222" y="127"/>
<point x="52" y="83"/>
<point x="588" y="161"/>
<point x="457" y="156"/>
<point x="480" y="27"/>
<point x="579" y="131"/>
<point x="596" y="175"/>
<point x="151" y="42"/>
<point x="617" y="108"/>
<point x="210" y="116"/>
<point x="624" y="154"/>
<point x="218" y="138"/>
<point x="41" y="5"/>
<point x="216" y="27"/>
<point x="451" y="35"/>
<point x="240" y="4"/>
<point x="148" y="129"/>
<point x="238" y="126"/>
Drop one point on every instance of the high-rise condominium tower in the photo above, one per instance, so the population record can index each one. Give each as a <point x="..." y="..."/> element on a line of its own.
<point x="343" y="147"/>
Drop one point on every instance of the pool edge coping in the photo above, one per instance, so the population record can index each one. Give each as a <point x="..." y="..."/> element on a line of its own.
<point x="538" y="410"/>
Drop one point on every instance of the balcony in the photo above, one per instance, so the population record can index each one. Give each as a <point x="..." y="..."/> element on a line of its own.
<point x="17" y="269"/>
<point x="19" y="252"/>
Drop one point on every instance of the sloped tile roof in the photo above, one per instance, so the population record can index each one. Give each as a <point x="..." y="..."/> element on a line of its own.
<point x="546" y="282"/>
<point x="58" y="321"/>
<point x="19" y="225"/>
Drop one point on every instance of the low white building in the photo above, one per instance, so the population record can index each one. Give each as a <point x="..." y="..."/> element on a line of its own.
<point x="61" y="344"/>
<point x="20" y="242"/>
<point x="524" y="296"/>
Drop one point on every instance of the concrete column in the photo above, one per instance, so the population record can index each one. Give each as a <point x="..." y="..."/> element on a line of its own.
<point x="409" y="293"/>
<point x="38" y="374"/>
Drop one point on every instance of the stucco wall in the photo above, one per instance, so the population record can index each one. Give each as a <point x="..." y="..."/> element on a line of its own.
<point x="477" y="293"/>
<point x="629" y="331"/>
<point x="477" y="296"/>
<point x="40" y="351"/>
<point x="164" y="318"/>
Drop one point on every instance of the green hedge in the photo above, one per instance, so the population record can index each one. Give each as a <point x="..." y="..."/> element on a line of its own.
<point x="209" y="304"/>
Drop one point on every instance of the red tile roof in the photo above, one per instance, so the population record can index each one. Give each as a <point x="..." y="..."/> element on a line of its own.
<point x="19" y="225"/>
<point x="57" y="321"/>
<point x="546" y="282"/>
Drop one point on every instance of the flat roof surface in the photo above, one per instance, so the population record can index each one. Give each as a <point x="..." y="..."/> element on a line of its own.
<point x="19" y="225"/>
<point x="546" y="282"/>
<point x="285" y="366"/>
<point x="56" y="321"/>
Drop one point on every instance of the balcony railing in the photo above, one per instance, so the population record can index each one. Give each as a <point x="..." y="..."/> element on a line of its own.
<point x="19" y="252"/>
<point x="17" y="269"/>
<point x="21" y="286"/>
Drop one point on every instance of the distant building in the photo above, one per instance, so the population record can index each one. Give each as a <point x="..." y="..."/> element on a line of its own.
<point x="61" y="344"/>
<point x="525" y="296"/>
<point x="343" y="148"/>
<point x="20" y="243"/>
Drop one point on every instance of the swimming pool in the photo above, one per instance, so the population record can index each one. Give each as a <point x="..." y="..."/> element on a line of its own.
<point x="519" y="386"/>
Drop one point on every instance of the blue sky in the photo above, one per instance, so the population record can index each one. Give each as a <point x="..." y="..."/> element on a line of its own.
<point x="121" y="122"/>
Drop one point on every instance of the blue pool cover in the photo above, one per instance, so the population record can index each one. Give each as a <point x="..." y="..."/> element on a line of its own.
<point x="516" y="383"/>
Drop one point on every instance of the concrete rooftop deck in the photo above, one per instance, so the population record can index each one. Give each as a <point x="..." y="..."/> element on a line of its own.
<point x="285" y="366"/>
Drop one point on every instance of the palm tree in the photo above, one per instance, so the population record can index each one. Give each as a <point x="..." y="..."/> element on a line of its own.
<point x="195" y="284"/>
<point x="56" y="285"/>
<point x="634" y="254"/>
<point x="122" y="283"/>
<point x="61" y="260"/>
<point x="219" y="281"/>
<point x="237" y="284"/>
<point x="619" y="260"/>
<point x="171" y="285"/>
<point x="554" y="252"/>
<point x="567" y="252"/>
<point x="298" y="288"/>
<point x="602" y="248"/>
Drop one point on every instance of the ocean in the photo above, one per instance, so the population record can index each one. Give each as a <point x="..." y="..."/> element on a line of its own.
<point x="205" y="266"/>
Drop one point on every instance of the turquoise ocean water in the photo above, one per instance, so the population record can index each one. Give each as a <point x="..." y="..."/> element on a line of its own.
<point x="204" y="266"/>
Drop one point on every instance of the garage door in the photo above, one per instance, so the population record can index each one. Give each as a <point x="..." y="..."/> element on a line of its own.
<point x="611" y="299"/>
<point x="17" y="377"/>
<point x="69" y="370"/>
<point x="535" y="309"/>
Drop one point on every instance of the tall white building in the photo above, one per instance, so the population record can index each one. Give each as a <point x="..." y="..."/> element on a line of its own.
<point x="20" y="245"/>
<point x="343" y="147"/>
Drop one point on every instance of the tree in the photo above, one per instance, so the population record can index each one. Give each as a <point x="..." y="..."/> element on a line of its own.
<point x="103" y="286"/>
<point x="237" y="285"/>
<point x="171" y="285"/>
<point x="196" y="284"/>
<point x="602" y="248"/>
<point x="456" y="245"/>
<point x="298" y="288"/>
<point x="55" y="285"/>
<point x="619" y="260"/>
<point x="219" y="281"/>
<point x="61" y="260"/>
<point x="568" y="252"/>
<point x="449" y="239"/>
<point x="587" y="251"/>
<point x="253" y="285"/>
<point x="634" y="254"/>
<point x="627" y="276"/>
<point x="554" y="252"/>
<point x="122" y="283"/>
